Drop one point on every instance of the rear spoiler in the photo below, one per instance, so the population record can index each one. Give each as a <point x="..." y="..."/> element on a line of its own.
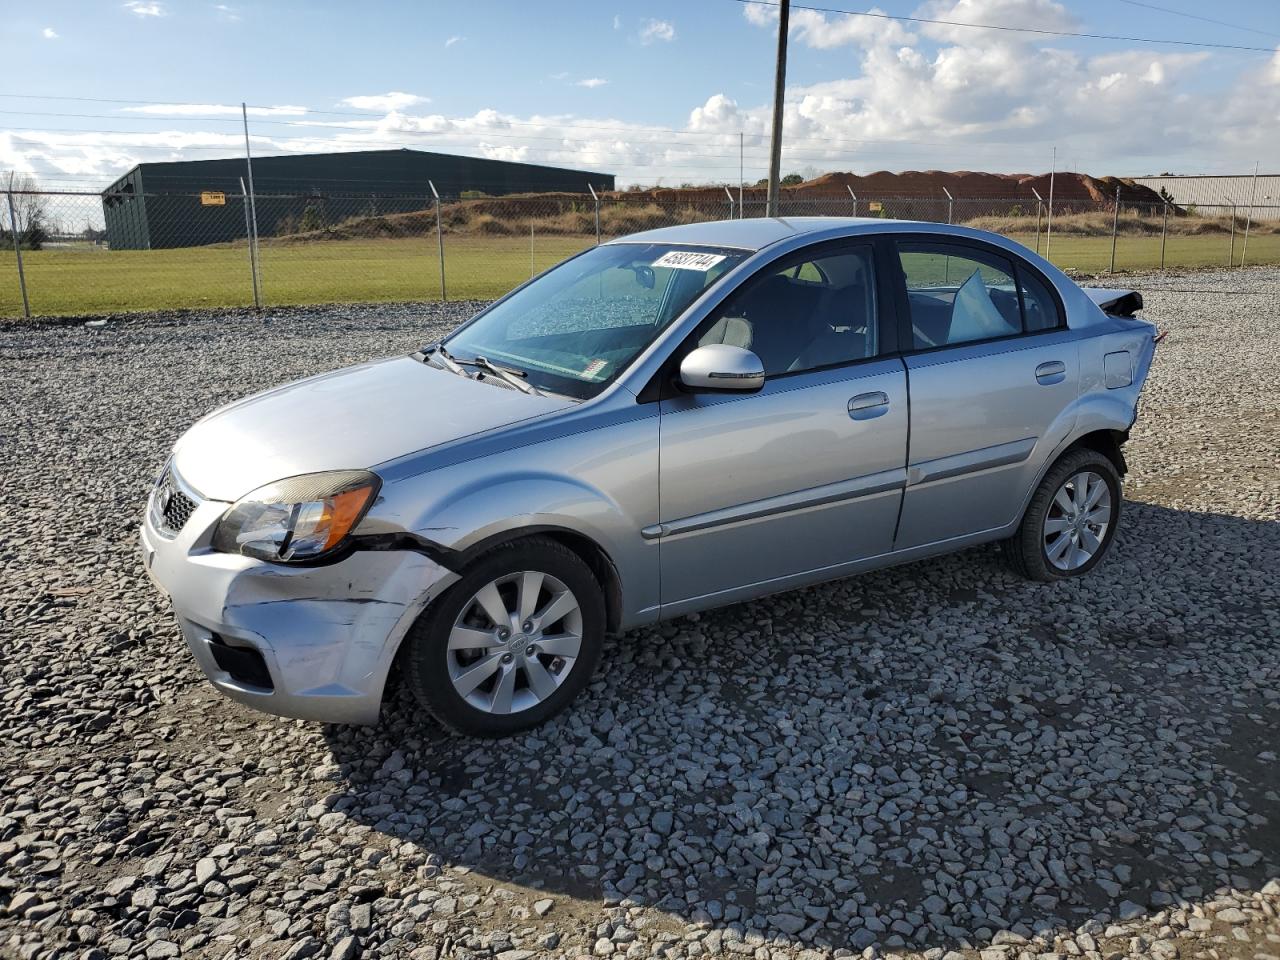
<point x="1116" y="303"/>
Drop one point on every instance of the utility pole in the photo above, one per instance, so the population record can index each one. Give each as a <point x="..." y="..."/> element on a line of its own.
<point x="779" y="89"/>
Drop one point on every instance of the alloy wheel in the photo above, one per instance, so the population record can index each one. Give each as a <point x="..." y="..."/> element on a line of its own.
<point x="1076" y="523"/>
<point x="515" y="642"/>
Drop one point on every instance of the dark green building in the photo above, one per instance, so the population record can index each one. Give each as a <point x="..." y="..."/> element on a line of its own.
<point x="158" y="205"/>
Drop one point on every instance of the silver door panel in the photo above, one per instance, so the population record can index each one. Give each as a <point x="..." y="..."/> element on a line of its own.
<point x="779" y="482"/>
<point x="1000" y="455"/>
<point x="983" y="419"/>
<point x="751" y="591"/>
<point x="785" y="503"/>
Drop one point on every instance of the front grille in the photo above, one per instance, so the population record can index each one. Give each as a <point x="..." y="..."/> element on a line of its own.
<point x="172" y="507"/>
<point x="178" y="511"/>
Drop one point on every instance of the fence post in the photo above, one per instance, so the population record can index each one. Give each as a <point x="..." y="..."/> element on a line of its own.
<point x="248" y="242"/>
<point x="742" y="206"/>
<point x="531" y="267"/>
<point x="17" y="249"/>
<point x="1115" y="224"/>
<point x="1048" y="225"/>
<point x="849" y="187"/>
<point x="1164" y="231"/>
<point x="1231" y="254"/>
<point x="439" y="240"/>
<point x="1253" y="192"/>
<point x="729" y="194"/>
<point x="253" y="213"/>
<point x="596" y="197"/>
<point x="1039" y="206"/>
<point x="950" y="203"/>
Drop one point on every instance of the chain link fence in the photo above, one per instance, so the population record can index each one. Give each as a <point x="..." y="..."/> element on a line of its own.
<point x="86" y="253"/>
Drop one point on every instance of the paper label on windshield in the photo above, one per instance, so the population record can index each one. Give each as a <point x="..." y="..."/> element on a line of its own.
<point x="593" y="368"/>
<point x="685" y="260"/>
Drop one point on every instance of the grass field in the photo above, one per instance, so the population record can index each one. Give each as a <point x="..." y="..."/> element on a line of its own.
<point x="88" y="281"/>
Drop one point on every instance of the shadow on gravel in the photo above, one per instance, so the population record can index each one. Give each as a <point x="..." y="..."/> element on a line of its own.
<point x="923" y="756"/>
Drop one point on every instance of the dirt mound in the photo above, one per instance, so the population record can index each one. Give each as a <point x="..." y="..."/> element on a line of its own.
<point x="967" y="185"/>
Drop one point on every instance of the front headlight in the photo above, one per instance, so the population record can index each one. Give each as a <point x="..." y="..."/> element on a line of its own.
<point x="298" y="519"/>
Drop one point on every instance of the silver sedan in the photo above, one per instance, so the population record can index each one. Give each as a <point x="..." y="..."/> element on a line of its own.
<point x="676" y="420"/>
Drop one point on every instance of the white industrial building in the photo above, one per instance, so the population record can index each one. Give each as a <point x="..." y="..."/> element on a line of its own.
<point x="1222" y="192"/>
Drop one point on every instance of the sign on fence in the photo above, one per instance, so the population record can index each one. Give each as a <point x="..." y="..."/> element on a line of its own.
<point x="213" y="198"/>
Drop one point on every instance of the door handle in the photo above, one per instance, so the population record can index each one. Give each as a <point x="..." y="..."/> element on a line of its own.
<point x="1051" y="372"/>
<point x="867" y="405"/>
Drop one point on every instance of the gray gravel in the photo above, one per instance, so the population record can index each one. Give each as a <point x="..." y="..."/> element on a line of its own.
<point x="937" y="760"/>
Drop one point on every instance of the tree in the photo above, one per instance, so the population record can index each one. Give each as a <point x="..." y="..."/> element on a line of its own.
<point x="312" y="218"/>
<point x="791" y="180"/>
<point x="30" y="211"/>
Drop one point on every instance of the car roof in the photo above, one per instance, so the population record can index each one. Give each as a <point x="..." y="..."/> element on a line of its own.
<point x="756" y="233"/>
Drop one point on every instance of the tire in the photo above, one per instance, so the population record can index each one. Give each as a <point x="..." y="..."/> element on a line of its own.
<point x="488" y="684"/>
<point x="1037" y="550"/>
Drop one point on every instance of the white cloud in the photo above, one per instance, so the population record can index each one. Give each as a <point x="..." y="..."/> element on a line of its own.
<point x="215" y="109"/>
<point x="1032" y="14"/>
<point x="759" y="15"/>
<point x="814" y="29"/>
<point x="142" y="9"/>
<point x="49" y="33"/>
<point x="562" y="75"/>
<point x="592" y="82"/>
<point x="226" y="13"/>
<point x="655" y="30"/>
<point x="617" y="22"/>
<point x="395" y="100"/>
<point x="719" y="113"/>
<point x="452" y="40"/>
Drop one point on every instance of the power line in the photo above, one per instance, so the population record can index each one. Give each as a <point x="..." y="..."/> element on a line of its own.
<point x="1009" y="29"/>
<point x="1195" y="16"/>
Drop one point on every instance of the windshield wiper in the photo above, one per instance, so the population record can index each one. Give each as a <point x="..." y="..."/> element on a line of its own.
<point x="446" y="359"/>
<point x="513" y="377"/>
<point x="506" y="374"/>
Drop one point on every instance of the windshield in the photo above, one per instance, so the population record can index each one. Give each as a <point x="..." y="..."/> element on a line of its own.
<point x="573" y="330"/>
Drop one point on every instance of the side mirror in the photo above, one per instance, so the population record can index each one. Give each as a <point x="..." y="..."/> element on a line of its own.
<point x="722" y="367"/>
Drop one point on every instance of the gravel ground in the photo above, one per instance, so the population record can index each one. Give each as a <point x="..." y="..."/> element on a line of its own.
<point x="935" y="760"/>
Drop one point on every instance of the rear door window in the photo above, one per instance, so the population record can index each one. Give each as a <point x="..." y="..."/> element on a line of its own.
<point x="961" y="294"/>
<point x="957" y="297"/>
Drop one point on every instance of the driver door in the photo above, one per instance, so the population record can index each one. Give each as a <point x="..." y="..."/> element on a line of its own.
<point x="764" y="489"/>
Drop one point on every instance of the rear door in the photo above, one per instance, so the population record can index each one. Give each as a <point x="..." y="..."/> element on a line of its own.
<point x="807" y="473"/>
<point x="991" y="368"/>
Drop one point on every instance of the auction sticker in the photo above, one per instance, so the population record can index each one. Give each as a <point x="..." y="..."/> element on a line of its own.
<point x="593" y="368"/>
<point x="687" y="260"/>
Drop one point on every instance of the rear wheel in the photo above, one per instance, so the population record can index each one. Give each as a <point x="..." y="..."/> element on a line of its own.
<point x="511" y="643"/>
<point x="1071" y="520"/>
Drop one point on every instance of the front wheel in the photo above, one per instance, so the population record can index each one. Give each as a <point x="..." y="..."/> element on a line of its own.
<point x="1071" y="520"/>
<point x="511" y="643"/>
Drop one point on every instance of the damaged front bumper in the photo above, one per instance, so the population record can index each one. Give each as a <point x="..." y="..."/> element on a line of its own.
<point x="314" y="643"/>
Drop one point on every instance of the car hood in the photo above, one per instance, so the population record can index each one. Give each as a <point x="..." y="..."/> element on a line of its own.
<point x="353" y="418"/>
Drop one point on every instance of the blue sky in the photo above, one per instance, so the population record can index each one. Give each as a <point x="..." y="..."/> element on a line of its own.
<point x="654" y="91"/>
